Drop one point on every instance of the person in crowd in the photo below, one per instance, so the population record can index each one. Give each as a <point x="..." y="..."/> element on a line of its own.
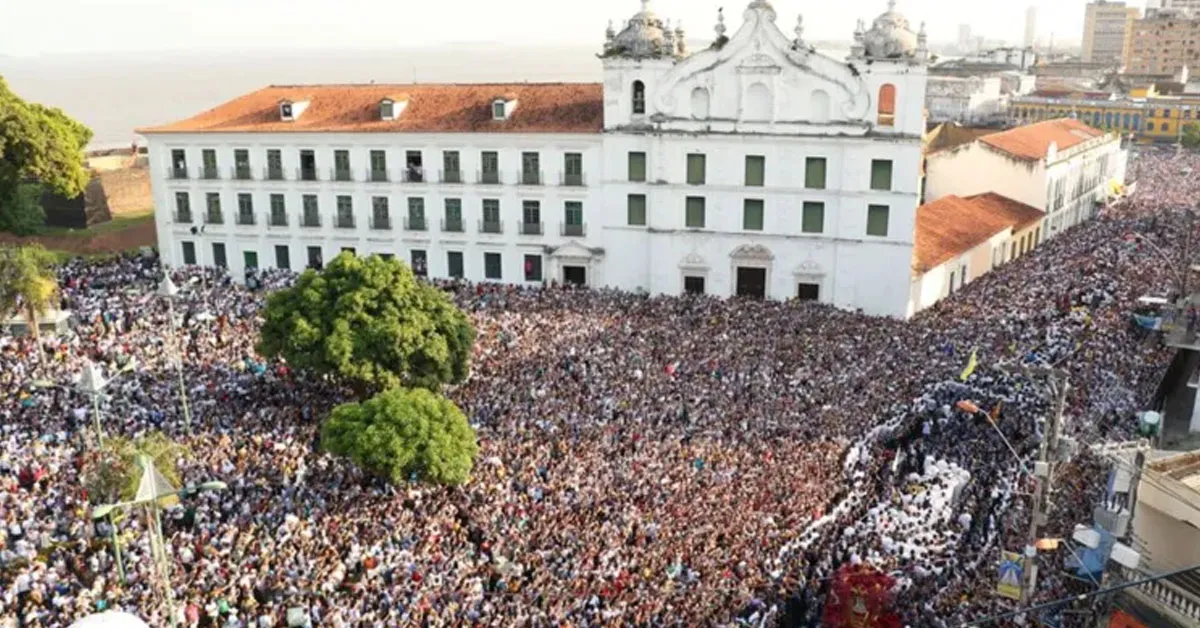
<point x="644" y="461"/>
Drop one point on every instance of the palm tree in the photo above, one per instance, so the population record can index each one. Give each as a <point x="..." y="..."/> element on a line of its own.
<point x="28" y="283"/>
<point x="112" y="474"/>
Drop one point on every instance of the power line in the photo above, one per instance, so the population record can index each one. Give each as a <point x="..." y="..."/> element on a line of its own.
<point x="1076" y="598"/>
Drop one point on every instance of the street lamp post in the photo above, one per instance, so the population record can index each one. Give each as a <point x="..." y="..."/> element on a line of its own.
<point x="92" y="383"/>
<point x="169" y="291"/>
<point x="116" y="542"/>
<point x="152" y="489"/>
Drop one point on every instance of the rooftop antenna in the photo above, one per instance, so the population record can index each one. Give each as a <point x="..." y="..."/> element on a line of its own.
<point x="414" y="74"/>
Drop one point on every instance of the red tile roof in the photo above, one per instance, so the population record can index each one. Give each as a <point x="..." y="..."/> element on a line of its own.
<point x="541" y="108"/>
<point x="1018" y="214"/>
<point x="952" y="225"/>
<point x="1030" y="142"/>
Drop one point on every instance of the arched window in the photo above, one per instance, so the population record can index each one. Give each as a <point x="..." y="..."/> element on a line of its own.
<point x="700" y="103"/>
<point x="887" y="105"/>
<point x="1137" y="121"/>
<point x="1149" y="126"/>
<point x="820" y="106"/>
<point x="1108" y="119"/>
<point x="758" y="103"/>
<point x="639" y="97"/>
<point x="1126" y="121"/>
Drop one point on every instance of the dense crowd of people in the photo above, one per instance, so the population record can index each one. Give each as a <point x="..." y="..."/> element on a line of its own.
<point x="643" y="460"/>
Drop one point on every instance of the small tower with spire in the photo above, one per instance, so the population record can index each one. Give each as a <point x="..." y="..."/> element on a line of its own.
<point x="922" y="53"/>
<point x="635" y="59"/>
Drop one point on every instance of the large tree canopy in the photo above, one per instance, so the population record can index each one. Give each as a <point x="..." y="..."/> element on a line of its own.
<point x="404" y="434"/>
<point x="22" y="212"/>
<point x="370" y="322"/>
<point x="28" y="283"/>
<point x="39" y="143"/>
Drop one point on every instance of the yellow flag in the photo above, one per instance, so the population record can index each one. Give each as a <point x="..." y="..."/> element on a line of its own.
<point x="971" y="364"/>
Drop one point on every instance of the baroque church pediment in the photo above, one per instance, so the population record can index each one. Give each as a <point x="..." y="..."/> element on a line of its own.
<point x="752" y="252"/>
<point x="818" y="88"/>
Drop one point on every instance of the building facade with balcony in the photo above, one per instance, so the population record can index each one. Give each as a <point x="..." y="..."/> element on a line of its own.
<point x="1060" y="167"/>
<point x="755" y="167"/>
<point x="1166" y="535"/>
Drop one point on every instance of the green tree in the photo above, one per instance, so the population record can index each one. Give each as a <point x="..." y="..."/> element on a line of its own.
<point x="42" y="144"/>
<point x="112" y="474"/>
<point x="22" y="213"/>
<point x="399" y="434"/>
<point x="370" y="322"/>
<point x="28" y="283"/>
<point x="1191" y="136"/>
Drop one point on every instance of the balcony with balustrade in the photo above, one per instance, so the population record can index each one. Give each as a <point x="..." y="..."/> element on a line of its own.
<point x="241" y="173"/>
<point x="273" y="174"/>
<point x="1174" y="600"/>
<point x="491" y="226"/>
<point x="412" y="174"/>
<point x="381" y="222"/>
<point x="450" y="176"/>
<point x="573" y="231"/>
<point x="415" y="223"/>
<point x="530" y="177"/>
<point x="452" y="225"/>
<point x="488" y="177"/>
<point x="531" y="228"/>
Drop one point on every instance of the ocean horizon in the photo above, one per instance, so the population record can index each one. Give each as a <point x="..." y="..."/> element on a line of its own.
<point x="116" y="93"/>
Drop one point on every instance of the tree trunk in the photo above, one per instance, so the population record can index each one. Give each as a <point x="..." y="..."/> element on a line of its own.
<point x="31" y="320"/>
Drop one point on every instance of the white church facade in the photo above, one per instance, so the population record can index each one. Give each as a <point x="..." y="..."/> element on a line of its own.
<point x="756" y="167"/>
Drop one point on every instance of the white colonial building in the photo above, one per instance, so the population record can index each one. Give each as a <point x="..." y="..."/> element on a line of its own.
<point x="756" y="167"/>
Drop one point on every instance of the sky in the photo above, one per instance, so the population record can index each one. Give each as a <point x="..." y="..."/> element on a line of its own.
<point x="44" y="27"/>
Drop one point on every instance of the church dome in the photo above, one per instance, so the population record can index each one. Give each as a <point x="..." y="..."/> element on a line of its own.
<point x="645" y="36"/>
<point x="890" y="36"/>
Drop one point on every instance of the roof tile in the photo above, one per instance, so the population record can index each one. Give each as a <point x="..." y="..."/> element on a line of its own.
<point x="953" y="225"/>
<point x="1030" y="142"/>
<point x="542" y="108"/>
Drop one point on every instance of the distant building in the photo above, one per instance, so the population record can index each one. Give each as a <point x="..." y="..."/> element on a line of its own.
<point x="1107" y="28"/>
<point x="975" y="90"/>
<point x="1142" y="112"/>
<point x="1030" y="27"/>
<point x="1061" y="167"/>
<point x="1192" y="6"/>
<point x="966" y="100"/>
<point x="1164" y="42"/>
<point x="960" y="239"/>
<point x="966" y="43"/>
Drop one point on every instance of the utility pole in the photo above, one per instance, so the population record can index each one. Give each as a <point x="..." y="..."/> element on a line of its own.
<point x="1043" y="475"/>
